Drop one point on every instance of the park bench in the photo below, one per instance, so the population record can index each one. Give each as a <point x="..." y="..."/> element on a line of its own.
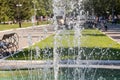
<point x="8" y="44"/>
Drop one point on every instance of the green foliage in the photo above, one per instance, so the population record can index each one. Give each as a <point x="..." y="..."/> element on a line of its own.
<point x="10" y="11"/>
<point x="44" y="7"/>
<point x="3" y="10"/>
<point x="101" y="7"/>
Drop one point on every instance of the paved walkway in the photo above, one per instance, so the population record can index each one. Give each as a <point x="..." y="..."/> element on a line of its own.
<point x="33" y="34"/>
<point x="114" y="32"/>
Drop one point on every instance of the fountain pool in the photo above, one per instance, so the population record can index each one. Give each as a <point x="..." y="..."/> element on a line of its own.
<point x="64" y="74"/>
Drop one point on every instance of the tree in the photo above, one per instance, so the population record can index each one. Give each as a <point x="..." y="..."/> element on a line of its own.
<point x="11" y="11"/>
<point x="3" y="11"/>
<point x="23" y="12"/>
<point x="101" y="7"/>
<point x="44" y="7"/>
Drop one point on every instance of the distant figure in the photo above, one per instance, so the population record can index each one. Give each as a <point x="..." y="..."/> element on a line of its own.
<point x="96" y="21"/>
<point x="103" y="23"/>
<point x="114" y="20"/>
<point x="106" y="27"/>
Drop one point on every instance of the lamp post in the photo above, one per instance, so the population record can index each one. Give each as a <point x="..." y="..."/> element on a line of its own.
<point x="34" y="17"/>
<point x="37" y="16"/>
<point x="113" y="5"/>
<point x="18" y="12"/>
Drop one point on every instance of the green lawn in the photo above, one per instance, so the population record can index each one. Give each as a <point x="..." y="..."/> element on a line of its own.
<point x="21" y="74"/>
<point x="14" y="26"/>
<point x="94" y="45"/>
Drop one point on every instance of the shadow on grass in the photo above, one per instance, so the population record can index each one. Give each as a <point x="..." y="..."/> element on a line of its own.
<point x="93" y="34"/>
<point x="99" y="74"/>
<point x="69" y="53"/>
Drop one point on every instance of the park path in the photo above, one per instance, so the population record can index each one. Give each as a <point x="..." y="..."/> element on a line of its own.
<point x="113" y="32"/>
<point x="33" y="34"/>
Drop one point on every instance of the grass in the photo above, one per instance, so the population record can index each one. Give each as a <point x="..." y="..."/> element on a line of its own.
<point x="14" y="26"/>
<point x="95" y="38"/>
<point x="90" y="38"/>
<point x="26" y="74"/>
<point x="42" y="74"/>
<point x="94" y="46"/>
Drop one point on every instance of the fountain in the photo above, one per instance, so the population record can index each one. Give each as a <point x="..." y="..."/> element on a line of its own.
<point x="60" y="10"/>
<point x="68" y="61"/>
